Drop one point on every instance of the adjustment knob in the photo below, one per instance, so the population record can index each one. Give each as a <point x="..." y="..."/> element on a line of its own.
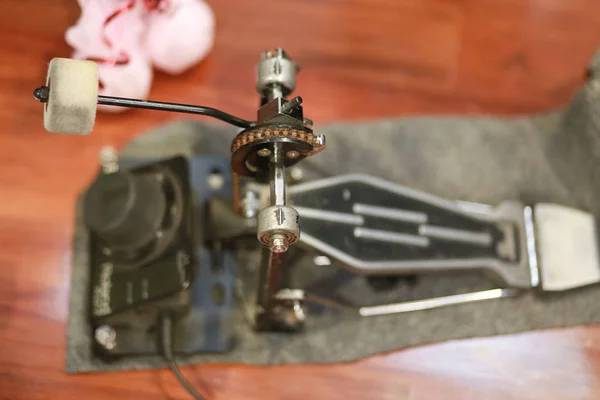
<point x="124" y="209"/>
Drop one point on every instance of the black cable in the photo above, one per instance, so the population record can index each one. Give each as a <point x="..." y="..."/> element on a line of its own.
<point x="166" y="331"/>
<point x="175" y="107"/>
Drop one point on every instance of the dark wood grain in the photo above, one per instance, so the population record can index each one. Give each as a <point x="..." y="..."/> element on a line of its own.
<point x="362" y="59"/>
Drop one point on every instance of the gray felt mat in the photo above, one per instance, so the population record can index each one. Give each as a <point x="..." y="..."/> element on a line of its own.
<point x="550" y="157"/>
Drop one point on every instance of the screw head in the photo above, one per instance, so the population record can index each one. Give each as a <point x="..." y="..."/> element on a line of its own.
<point x="293" y="154"/>
<point x="42" y="93"/>
<point x="321" y="260"/>
<point x="278" y="244"/>
<point x="106" y="336"/>
<point x="216" y="180"/>
<point x="265" y="55"/>
<point x="109" y="160"/>
<point x="264" y="152"/>
<point x="296" y="173"/>
<point x="291" y="315"/>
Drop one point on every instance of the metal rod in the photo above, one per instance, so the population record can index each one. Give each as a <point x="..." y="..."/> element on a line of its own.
<point x="277" y="170"/>
<point x="331" y="216"/>
<point x="42" y="94"/>
<point x="396" y="214"/>
<point x="436" y="302"/>
<point x="483" y="239"/>
<point x="268" y="282"/>
<point x="273" y="92"/>
<point x="174" y="107"/>
<point x="313" y="298"/>
<point x="290" y="105"/>
<point x="391" y="237"/>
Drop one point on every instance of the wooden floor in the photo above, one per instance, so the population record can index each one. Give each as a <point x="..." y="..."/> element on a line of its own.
<point x="361" y="59"/>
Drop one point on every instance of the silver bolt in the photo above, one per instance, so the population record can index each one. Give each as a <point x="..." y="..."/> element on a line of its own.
<point x="292" y="104"/>
<point x="278" y="243"/>
<point x="293" y="154"/>
<point x="109" y="160"/>
<point x="321" y="260"/>
<point x="346" y="194"/>
<point x="106" y="251"/>
<point x="106" y="336"/>
<point x="264" y="152"/>
<point x="265" y="55"/>
<point x="290" y="294"/>
<point x="291" y="314"/>
<point x="299" y="315"/>
<point x="159" y="234"/>
<point x="216" y="180"/>
<point x="296" y="173"/>
<point x="320" y="139"/>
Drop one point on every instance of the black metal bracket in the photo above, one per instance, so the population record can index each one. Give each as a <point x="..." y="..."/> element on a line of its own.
<point x="203" y="305"/>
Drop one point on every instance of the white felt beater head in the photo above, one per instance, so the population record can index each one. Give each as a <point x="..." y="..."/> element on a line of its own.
<point x="72" y="96"/>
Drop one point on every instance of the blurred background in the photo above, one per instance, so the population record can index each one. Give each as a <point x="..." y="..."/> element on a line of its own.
<point x="360" y="59"/>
